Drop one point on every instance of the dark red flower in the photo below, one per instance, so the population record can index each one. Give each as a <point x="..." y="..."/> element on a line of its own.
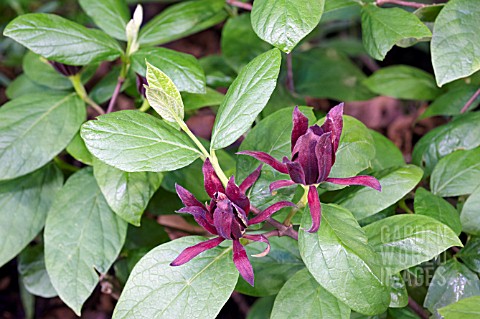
<point x="141" y="82"/>
<point x="313" y="155"/>
<point x="226" y="216"/>
<point x="65" y="69"/>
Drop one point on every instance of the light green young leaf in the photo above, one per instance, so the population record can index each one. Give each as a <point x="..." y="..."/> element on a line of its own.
<point x="455" y="43"/>
<point x="451" y="282"/>
<point x="284" y="23"/>
<point x="110" y="15"/>
<point x="340" y="259"/>
<point x="396" y="182"/>
<point x="24" y="203"/>
<point x="32" y="271"/>
<point x="457" y="173"/>
<point x="183" y="69"/>
<point x="126" y="193"/>
<point x="403" y="82"/>
<point x="436" y="207"/>
<point x="59" y="39"/>
<point x="163" y="95"/>
<point x="468" y="308"/>
<point x="82" y="236"/>
<point x="302" y="297"/>
<point x="197" y="289"/>
<point x="246" y="98"/>
<point x="470" y="218"/>
<point x="404" y="241"/>
<point x="383" y="28"/>
<point x="137" y="142"/>
<point x="35" y="128"/>
<point x="182" y="19"/>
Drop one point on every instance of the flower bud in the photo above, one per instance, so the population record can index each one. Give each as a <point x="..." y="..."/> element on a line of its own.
<point x="65" y="69"/>
<point x="141" y="82"/>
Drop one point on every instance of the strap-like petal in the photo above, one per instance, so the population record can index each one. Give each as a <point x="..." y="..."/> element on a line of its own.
<point x="223" y="218"/>
<point x="334" y="123"/>
<point x="300" y="125"/>
<point x="262" y="239"/>
<point x="304" y="154"/>
<point x="281" y="184"/>
<point x="186" y="197"/>
<point x="267" y="159"/>
<point x="269" y="211"/>
<point x="234" y="193"/>
<point x="199" y="214"/>
<point x="315" y="208"/>
<point x="212" y="183"/>
<point x="323" y="152"/>
<point x="362" y="180"/>
<point x="250" y="180"/>
<point x="295" y="171"/>
<point x="193" y="251"/>
<point x="242" y="263"/>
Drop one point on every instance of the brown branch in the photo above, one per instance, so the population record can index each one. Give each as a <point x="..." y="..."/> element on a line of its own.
<point x="401" y="3"/>
<point x="290" y="84"/>
<point x="116" y="92"/>
<point x="412" y="304"/>
<point x="281" y="230"/>
<point x="241" y="303"/>
<point x="470" y="101"/>
<point x="239" y="4"/>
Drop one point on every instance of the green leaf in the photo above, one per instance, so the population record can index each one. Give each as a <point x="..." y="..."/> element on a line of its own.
<point x="59" y="39"/>
<point x="451" y="282"/>
<point x="387" y="154"/>
<point x="396" y="182"/>
<point x="436" y="207"/>
<point x="182" y="19"/>
<point x="24" y="204"/>
<point x="31" y="267"/>
<point x="470" y="218"/>
<point x="110" y="15"/>
<point x="342" y="262"/>
<point x="239" y="42"/>
<point x="42" y="73"/>
<point x="126" y="193"/>
<point x="28" y="301"/>
<point x="326" y="73"/>
<point x="468" y="308"/>
<point x="461" y="133"/>
<point x="137" y="142"/>
<point x="452" y="102"/>
<point x="22" y="85"/>
<point x="303" y="297"/>
<point x="193" y="101"/>
<point x="271" y="135"/>
<point x="82" y="236"/>
<point x="456" y="174"/>
<point x="79" y="151"/>
<point x="284" y="23"/>
<point x="403" y="82"/>
<point x="273" y="270"/>
<point x="404" y="241"/>
<point x="35" y="128"/>
<point x="163" y="95"/>
<point x="198" y="289"/>
<point x="183" y="69"/>
<point x="470" y="254"/>
<point x="246" y="98"/>
<point x="261" y="308"/>
<point x="455" y="43"/>
<point x="398" y="292"/>
<point x="383" y="28"/>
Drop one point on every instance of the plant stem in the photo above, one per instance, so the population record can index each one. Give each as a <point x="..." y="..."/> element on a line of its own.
<point x="281" y="230"/>
<point x="82" y="93"/>
<point x="290" y="84"/>
<point x="64" y="165"/>
<point x="412" y="304"/>
<point x="404" y="206"/>
<point x="145" y="106"/>
<point x="301" y="204"/>
<point x="116" y="92"/>
<point x="239" y="4"/>
<point x="401" y="3"/>
<point x="470" y="101"/>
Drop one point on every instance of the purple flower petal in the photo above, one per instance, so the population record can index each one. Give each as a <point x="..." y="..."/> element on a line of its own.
<point x="280" y="184"/>
<point x="250" y="180"/>
<point x="199" y="214"/>
<point x="269" y="211"/>
<point x="304" y="154"/>
<point x="295" y="171"/>
<point x="186" y="197"/>
<point x="262" y="239"/>
<point x="211" y="180"/>
<point x="235" y="195"/>
<point x="242" y="263"/>
<point x="300" y="125"/>
<point x="315" y="209"/>
<point x="323" y="152"/>
<point x="223" y="219"/>
<point x="193" y="251"/>
<point x="334" y="124"/>
<point x="362" y="180"/>
<point x="267" y="159"/>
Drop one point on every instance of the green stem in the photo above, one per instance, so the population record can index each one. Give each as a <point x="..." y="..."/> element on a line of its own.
<point x="64" y="165"/>
<point x="301" y="204"/>
<point x="82" y="93"/>
<point x="145" y="106"/>
<point x="404" y="206"/>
